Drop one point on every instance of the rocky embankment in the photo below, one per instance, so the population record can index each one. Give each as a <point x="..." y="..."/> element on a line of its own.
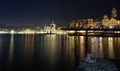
<point x="99" y="65"/>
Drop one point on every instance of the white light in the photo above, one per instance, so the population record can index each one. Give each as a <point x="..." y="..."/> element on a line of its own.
<point x="71" y="31"/>
<point x="111" y="27"/>
<point x="12" y="31"/>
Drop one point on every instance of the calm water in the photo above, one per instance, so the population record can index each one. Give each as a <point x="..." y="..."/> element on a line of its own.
<point x="52" y="52"/>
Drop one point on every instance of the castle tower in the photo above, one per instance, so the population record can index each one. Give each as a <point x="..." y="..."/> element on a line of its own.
<point x="114" y="13"/>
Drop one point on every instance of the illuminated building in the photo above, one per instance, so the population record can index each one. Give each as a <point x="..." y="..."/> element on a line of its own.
<point x="105" y="20"/>
<point x="90" y="22"/>
<point x="112" y="21"/>
<point x="51" y="28"/>
<point x="82" y="23"/>
<point x="114" y="13"/>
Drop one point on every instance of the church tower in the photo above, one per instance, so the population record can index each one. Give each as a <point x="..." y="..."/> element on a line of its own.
<point x="114" y="13"/>
<point x="52" y="25"/>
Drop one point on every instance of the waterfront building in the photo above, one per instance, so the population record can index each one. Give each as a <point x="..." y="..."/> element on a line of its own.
<point x="112" y="21"/>
<point x="90" y="22"/>
<point x="93" y="23"/>
<point x="76" y="24"/>
<point x="105" y="20"/>
<point x="81" y="23"/>
<point x="47" y="29"/>
<point x="51" y="28"/>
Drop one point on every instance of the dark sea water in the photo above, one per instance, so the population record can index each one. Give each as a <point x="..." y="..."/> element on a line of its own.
<point x="52" y="52"/>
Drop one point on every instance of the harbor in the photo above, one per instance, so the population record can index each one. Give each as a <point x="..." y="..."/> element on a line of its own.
<point x="93" y="32"/>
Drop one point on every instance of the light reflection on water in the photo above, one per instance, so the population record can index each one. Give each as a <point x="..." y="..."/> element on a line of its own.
<point x="50" y="48"/>
<point x="0" y="48"/>
<point x="11" y="50"/>
<point x="28" y="48"/>
<point x="111" y="48"/>
<point x="100" y="48"/>
<point x="54" y="52"/>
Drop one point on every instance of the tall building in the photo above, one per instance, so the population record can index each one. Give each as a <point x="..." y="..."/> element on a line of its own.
<point x="52" y="25"/>
<point x="114" y="13"/>
<point x="51" y="28"/>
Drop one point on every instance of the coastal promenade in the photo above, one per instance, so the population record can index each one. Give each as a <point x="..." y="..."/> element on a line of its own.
<point x="93" y="32"/>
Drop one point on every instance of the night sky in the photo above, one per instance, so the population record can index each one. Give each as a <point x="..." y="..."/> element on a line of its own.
<point x="42" y="12"/>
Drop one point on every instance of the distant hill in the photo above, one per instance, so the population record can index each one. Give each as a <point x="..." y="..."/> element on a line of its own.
<point x="3" y="26"/>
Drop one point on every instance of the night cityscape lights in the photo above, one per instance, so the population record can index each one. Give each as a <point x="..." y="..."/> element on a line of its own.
<point x="104" y="23"/>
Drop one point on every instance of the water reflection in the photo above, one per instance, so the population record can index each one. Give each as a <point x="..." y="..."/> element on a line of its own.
<point x="29" y="48"/>
<point x="70" y="47"/>
<point x="100" y="48"/>
<point x="45" y="51"/>
<point x="95" y="46"/>
<point x="82" y="47"/>
<point x="11" y="49"/>
<point x="54" y="52"/>
<point x="111" y="48"/>
<point x="0" y="48"/>
<point x="117" y="47"/>
<point x="50" y="48"/>
<point x="78" y="44"/>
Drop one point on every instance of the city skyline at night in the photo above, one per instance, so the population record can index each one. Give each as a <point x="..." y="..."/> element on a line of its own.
<point x="34" y="12"/>
<point x="59" y="35"/>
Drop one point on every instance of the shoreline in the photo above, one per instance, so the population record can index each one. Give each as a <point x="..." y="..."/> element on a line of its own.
<point x="101" y="64"/>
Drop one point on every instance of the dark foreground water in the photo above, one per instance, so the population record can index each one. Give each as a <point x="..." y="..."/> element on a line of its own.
<point x="53" y="52"/>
